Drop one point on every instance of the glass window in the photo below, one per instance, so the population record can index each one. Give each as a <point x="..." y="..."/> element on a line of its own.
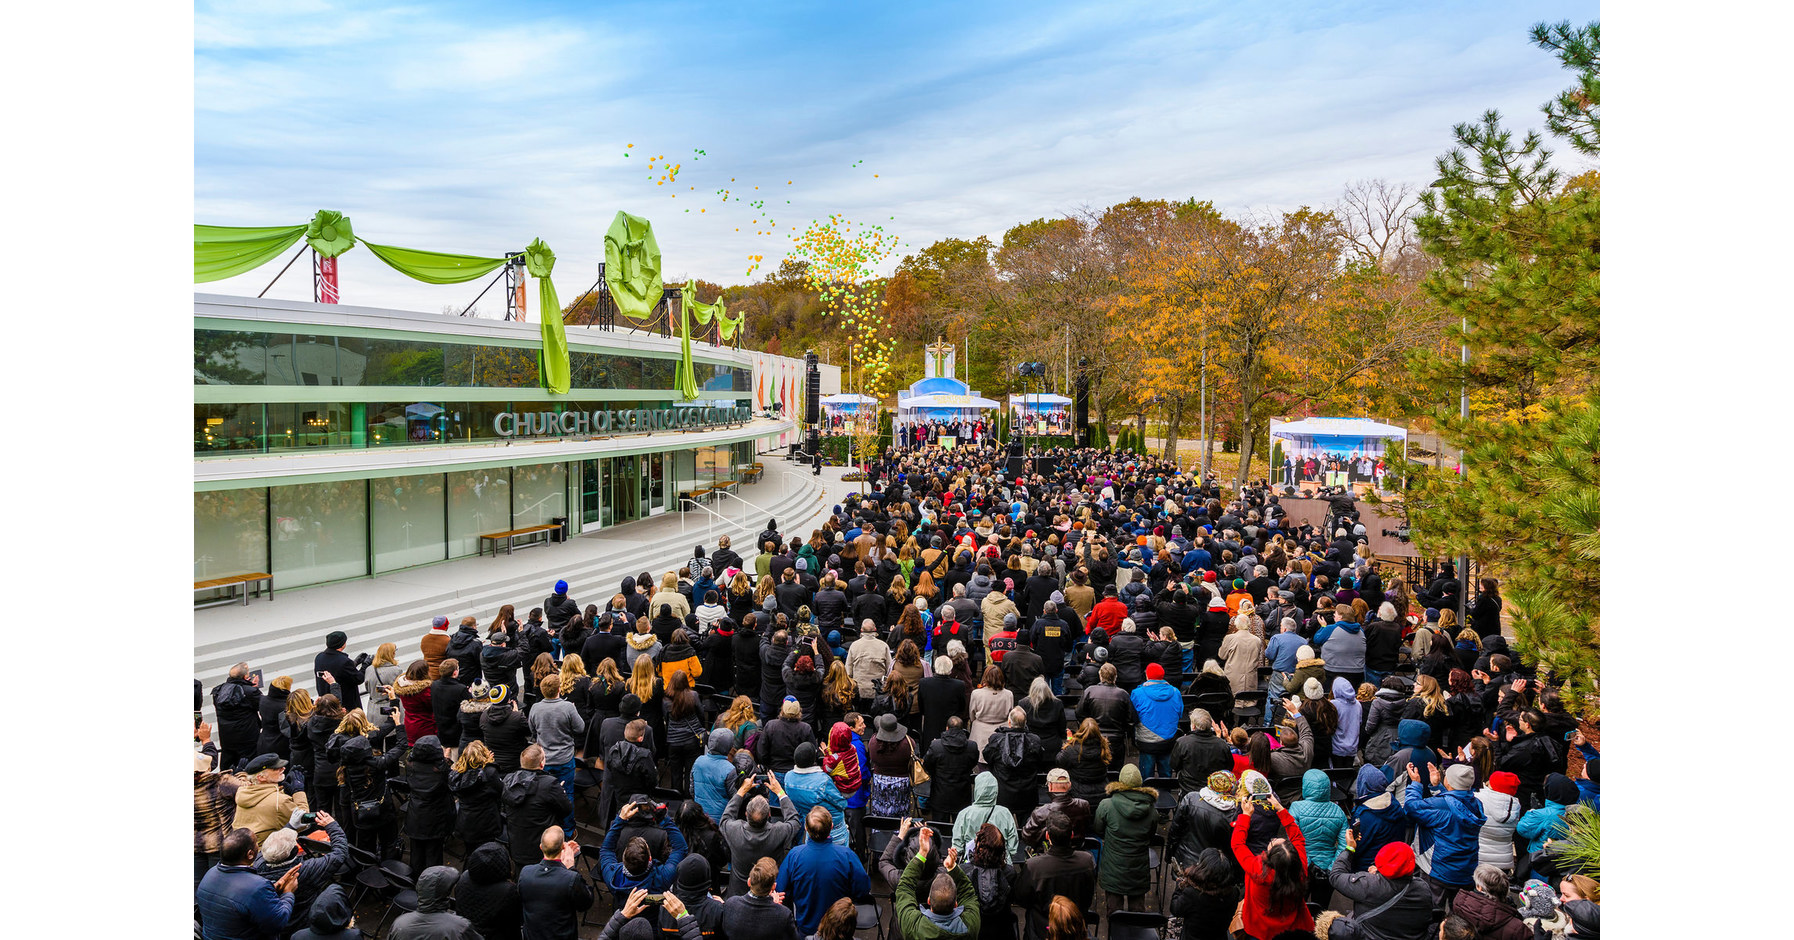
<point x="409" y="526"/>
<point x="229" y="357"/>
<point x="297" y="426"/>
<point x="469" y="422"/>
<point x="230" y="533"/>
<point x="479" y="501"/>
<point x="226" y="427"/>
<point x="402" y="362"/>
<point x="411" y="422"/>
<point x="538" y="494"/>
<point x="490" y="367"/>
<point x="320" y="532"/>
<point x="685" y="471"/>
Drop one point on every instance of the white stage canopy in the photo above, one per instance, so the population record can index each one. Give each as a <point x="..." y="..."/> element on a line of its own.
<point x="1338" y="428"/>
<point x="943" y="400"/>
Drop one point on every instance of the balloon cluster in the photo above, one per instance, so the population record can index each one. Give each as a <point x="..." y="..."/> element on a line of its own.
<point x="842" y="259"/>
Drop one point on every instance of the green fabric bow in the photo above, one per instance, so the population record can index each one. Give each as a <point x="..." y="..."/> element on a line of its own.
<point x="329" y="234"/>
<point x="632" y="265"/>
<point x="434" y="267"/>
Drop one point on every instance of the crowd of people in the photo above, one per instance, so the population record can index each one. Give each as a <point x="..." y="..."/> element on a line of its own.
<point x="1109" y="698"/>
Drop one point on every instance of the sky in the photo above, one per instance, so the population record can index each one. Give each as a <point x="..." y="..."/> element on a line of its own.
<point x="475" y="128"/>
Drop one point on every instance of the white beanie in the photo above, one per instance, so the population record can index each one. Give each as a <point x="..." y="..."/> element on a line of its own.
<point x="1312" y="688"/>
<point x="1306" y="652"/>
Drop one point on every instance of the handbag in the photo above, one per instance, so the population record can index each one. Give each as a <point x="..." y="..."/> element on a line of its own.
<point x="917" y="775"/>
<point x="365" y="812"/>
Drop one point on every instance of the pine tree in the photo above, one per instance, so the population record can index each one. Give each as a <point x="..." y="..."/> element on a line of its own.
<point x="1520" y="263"/>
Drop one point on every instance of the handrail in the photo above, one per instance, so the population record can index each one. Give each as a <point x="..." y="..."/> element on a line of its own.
<point x="710" y="527"/>
<point x="745" y="504"/>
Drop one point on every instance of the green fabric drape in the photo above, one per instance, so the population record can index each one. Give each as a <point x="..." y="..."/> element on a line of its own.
<point x="329" y="234"/>
<point x="632" y="265"/>
<point x="553" y="364"/>
<point x="434" y="267"/>
<point x="702" y="312"/>
<point x="693" y="309"/>
<point x="221" y="251"/>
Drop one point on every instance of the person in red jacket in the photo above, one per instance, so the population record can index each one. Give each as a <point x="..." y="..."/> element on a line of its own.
<point x="1277" y="879"/>
<point x="1108" y="613"/>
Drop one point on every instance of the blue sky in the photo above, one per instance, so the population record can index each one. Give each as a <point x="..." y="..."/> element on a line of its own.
<point x="477" y="127"/>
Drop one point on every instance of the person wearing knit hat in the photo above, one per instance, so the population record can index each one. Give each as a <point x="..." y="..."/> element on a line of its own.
<point x="1501" y="815"/>
<point x="1159" y="706"/>
<point x="1538" y="908"/>
<point x="1312" y="689"/>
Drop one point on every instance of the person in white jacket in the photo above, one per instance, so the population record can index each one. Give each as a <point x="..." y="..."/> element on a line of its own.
<point x="1502" y="812"/>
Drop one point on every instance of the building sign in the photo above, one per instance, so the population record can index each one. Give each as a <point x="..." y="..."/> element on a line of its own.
<point x="621" y="421"/>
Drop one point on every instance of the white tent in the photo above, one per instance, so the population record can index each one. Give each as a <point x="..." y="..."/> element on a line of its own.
<point x="847" y="398"/>
<point x="1338" y="427"/>
<point x="1046" y="401"/>
<point x="943" y="400"/>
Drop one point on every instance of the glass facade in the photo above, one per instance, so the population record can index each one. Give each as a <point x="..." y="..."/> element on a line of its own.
<point x="283" y="426"/>
<point x="479" y="501"/>
<point x="538" y="494"/>
<point x="236" y="357"/>
<point x="320" y="532"/>
<point x="315" y="532"/>
<point x="230" y="533"/>
<point x="410" y="521"/>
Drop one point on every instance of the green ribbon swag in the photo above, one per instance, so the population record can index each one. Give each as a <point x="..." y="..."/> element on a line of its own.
<point x="632" y="271"/>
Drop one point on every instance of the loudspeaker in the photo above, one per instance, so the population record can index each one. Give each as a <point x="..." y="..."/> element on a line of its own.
<point x="1046" y="465"/>
<point x="1013" y="466"/>
<point x="812" y="390"/>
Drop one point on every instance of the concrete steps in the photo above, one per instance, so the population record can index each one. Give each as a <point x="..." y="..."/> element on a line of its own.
<point x="283" y="637"/>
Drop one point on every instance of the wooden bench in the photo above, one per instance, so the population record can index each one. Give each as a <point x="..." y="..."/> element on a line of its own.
<point x="695" y="494"/>
<point x="725" y="486"/>
<point x="753" y="473"/>
<point x="511" y="536"/>
<point x="231" y="581"/>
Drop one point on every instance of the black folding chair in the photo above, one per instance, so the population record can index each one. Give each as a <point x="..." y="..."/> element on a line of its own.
<point x="1219" y="705"/>
<point x="370" y="877"/>
<point x="403" y="901"/>
<point x="1167" y="787"/>
<point x="867" y="916"/>
<point x="1249" y="706"/>
<point x="1345" y="781"/>
<point x="1137" y="925"/>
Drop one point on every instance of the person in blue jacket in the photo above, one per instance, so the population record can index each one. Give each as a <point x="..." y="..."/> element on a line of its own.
<point x="713" y="774"/>
<point x="1378" y="816"/>
<point x="1547" y="822"/>
<point x="236" y="903"/>
<point x="1589" y="784"/>
<point x="809" y="785"/>
<point x="636" y="868"/>
<point x="1160" y="707"/>
<point x="1447" y="827"/>
<point x="1411" y="737"/>
<point x="820" y="871"/>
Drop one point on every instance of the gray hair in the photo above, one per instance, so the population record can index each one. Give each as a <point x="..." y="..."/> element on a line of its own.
<point x="1201" y="720"/>
<point x="1127" y="624"/>
<point x="1039" y="692"/>
<point x="1491" y="881"/>
<point x="943" y="665"/>
<point x="1017" y="717"/>
<point x="280" y="846"/>
<point x="1047" y="607"/>
<point x="1288" y="625"/>
<point x="1386" y="611"/>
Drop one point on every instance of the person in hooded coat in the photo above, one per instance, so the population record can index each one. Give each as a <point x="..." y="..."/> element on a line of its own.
<point x="951" y="763"/>
<point x="1377" y="815"/>
<point x="486" y="895"/>
<point x="1324" y="829"/>
<point x="1487" y="909"/>
<point x="1411" y="739"/>
<point x="430" y="816"/>
<point x="713" y="774"/>
<point x="464" y="647"/>
<point x="1501" y="817"/>
<point x="331" y="917"/>
<point x="984" y="809"/>
<point x="434" y="919"/>
<point x="1344" y="743"/>
<point x="1125" y="822"/>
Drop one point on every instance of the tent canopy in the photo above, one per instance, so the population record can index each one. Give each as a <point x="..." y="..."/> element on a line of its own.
<point x="942" y="400"/>
<point x="1047" y="399"/>
<point x="846" y="398"/>
<point x="1338" y="428"/>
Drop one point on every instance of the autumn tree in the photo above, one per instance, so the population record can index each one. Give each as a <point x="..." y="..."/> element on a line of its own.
<point x="1519" y="254"/>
